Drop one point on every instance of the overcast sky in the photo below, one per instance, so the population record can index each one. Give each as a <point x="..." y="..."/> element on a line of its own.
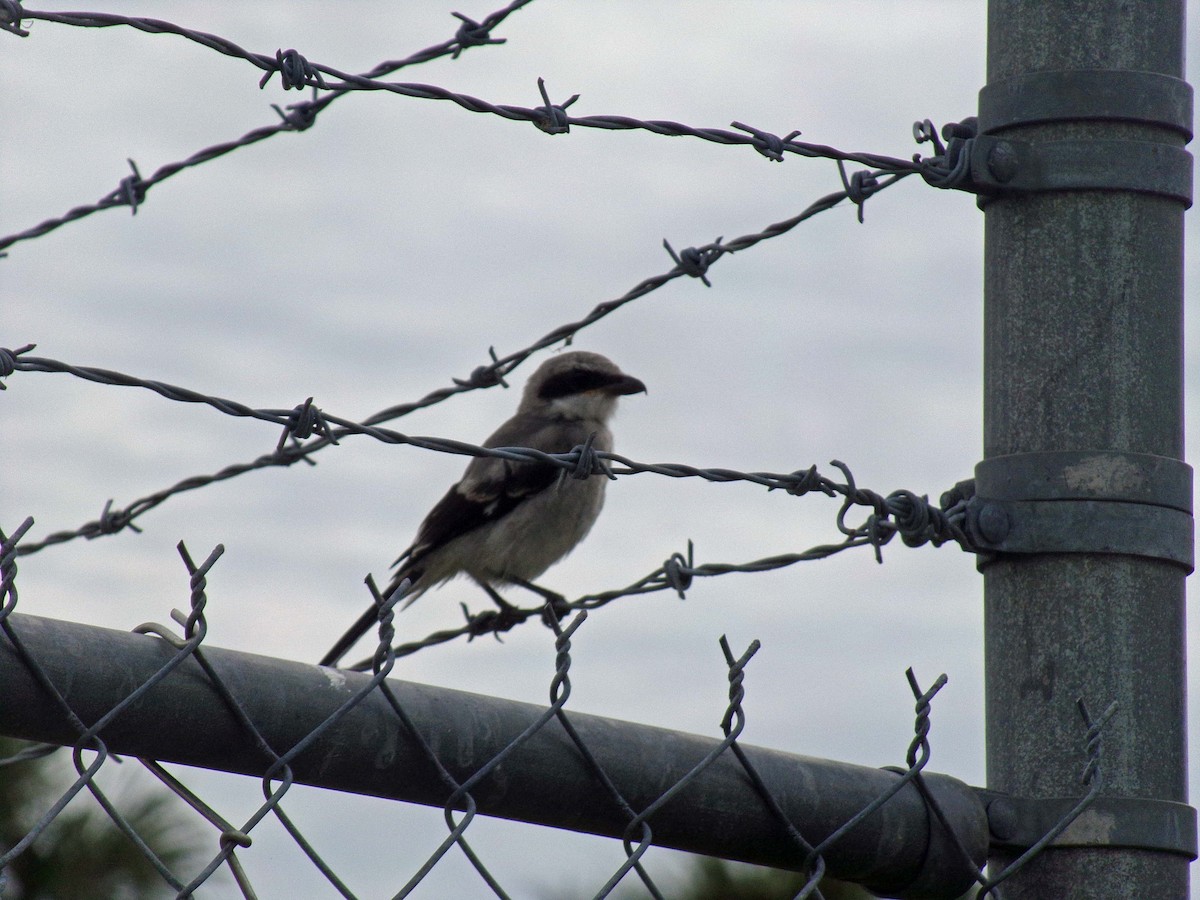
<point x="372" y="258"/>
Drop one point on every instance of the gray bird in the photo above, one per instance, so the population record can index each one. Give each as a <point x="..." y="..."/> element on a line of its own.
<point x="507" y="522"/>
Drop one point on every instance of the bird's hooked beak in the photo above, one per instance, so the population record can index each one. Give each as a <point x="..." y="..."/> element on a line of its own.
<point x="623" y="385"/>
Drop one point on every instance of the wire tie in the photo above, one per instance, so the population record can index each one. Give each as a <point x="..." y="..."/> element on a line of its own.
<point x="484" y="376"/>
<point x="589" y="463"/>
<point x="294" y="71"/>
<point x="8" y="358"/>
<point x="694" y="261"/>
<point x="550" y="118"/>
<point x="132" y="190"/>
<point x="769" y="145"/>
<point x="471" y="34"/>
<point x="10" y="18"/>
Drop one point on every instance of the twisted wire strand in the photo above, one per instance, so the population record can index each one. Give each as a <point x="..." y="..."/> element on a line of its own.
<point x="298" y="116"/>
<point x="297" y="72"/>
<point x="305" y="420"/>
<point x="918" y="520"/>
<point x="888" y="518"/>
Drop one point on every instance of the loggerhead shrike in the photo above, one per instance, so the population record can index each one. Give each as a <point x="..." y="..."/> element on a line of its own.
<point x="507" y="522"/>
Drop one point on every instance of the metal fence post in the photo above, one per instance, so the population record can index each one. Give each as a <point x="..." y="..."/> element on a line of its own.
<point x="1083" y="422"/>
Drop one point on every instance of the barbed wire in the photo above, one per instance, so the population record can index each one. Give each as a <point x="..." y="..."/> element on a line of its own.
<point x="303" y="421"/>
<point x="298" y="116"/>
<point x="904" y="512"/>
<point x="296" y="72"/>
<point x="912" y="517"/>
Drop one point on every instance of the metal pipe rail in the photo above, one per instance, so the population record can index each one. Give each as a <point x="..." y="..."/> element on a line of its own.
<point x="899" y="850"/>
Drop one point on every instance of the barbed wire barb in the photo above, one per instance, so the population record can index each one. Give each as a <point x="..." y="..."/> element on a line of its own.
<point x="552" y="118"/>
<point x="769" y="145"/>
<point x="10" y="17"/>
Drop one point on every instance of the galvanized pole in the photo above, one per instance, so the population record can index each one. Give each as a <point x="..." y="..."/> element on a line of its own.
<point x="1083" y="427"/>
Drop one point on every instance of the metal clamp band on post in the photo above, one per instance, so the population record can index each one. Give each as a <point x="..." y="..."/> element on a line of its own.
<point x="1132" y="822"/>
<point x="1087" y="94"/>
<point x="1000" y="164"/>
<point x="1083" y="502"/>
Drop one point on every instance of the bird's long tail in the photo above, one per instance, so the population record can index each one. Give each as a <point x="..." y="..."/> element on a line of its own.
<point x="403" y="581"/>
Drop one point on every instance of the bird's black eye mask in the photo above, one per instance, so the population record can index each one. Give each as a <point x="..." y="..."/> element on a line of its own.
<point x="576" y="381"/>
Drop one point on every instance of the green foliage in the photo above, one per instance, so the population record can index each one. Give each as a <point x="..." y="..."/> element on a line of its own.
<point x="82" y="855"/>
<point x="716" y="879"/>
<point x="707" y="878"/>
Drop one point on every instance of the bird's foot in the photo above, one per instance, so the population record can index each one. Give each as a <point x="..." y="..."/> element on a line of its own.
<point x="545" y="593"/>
<point x="506" y="608"/>
<point x="556" y="608"/>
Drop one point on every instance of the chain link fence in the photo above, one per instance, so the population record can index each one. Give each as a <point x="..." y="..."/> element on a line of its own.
<point x="165" y="698"/>
<point x="902" y="832"/>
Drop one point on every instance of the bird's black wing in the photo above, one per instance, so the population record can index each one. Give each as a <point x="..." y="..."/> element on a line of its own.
<point x="491" y="488"/>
